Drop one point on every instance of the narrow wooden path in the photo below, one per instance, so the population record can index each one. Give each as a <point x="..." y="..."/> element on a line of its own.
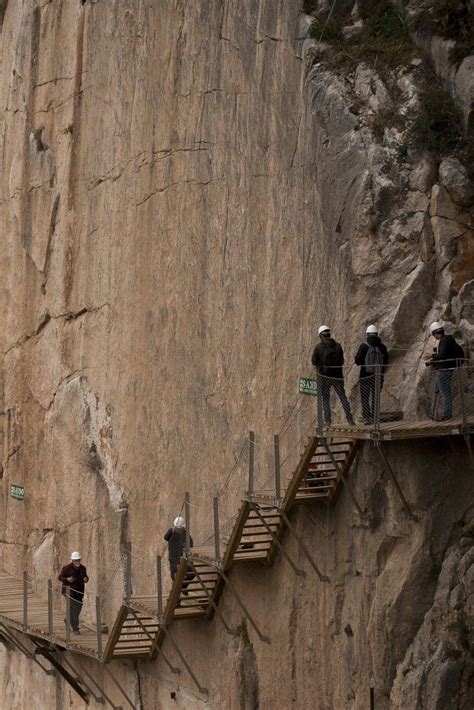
<point x="38" y="622"/>
<point x="254" y="539"/>
<point x="403" y="429"/>
<point x="143" y="622"/>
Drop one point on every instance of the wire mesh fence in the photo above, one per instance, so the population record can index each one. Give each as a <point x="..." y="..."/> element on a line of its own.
<point x="440" y="392"/>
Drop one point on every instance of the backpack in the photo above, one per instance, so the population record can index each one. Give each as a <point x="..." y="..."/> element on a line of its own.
<point x="373" y="357"/>
<point x="331" y="358"/>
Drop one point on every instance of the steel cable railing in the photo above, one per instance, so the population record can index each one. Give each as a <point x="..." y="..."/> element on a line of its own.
<point x="407" y="392"/>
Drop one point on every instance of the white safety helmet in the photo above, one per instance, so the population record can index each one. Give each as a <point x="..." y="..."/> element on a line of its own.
<point x="178" y="522"/>
<point x="436" y="326"/>
<point x="75" y="555"/>
<point x="322" y="328"/>
<point x="371" y="330"/>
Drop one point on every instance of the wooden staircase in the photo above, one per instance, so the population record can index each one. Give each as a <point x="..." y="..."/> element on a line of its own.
<point x="139" y="629"/>
<point x="316" y="479"/>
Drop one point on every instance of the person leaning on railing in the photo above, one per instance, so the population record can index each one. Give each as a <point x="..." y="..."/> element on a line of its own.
<point x="446" y="356"/>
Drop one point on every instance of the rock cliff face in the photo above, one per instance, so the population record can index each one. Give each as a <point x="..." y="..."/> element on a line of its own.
<point x="188" y="189"/>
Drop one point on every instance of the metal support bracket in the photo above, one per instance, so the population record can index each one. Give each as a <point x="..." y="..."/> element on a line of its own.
<point x="343" y="479"/>
<point x="168" y="634"/>
<point x="211" y="600"/>
<point x="262" y="637"/>
<point x="98" y="698"/>
<point x="390" y="472"/>
<point x="7" y="636"/>
<point x="115" y="681"/>
<point x="47" y="653"/>
<point x="172" y="668"/>
<point x="297" y="571"/>
<point x="376" y="437"/>
<point x="466" y="432"/>
<point x="322" y="577"/>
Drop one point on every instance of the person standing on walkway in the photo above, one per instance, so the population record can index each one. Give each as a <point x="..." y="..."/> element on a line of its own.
<point x="371" y="355"/>
<point x="176" y="539"/>
<point x="74" y="578"/>
<point x="328" y="359"/>
<point x="445" y="358"/>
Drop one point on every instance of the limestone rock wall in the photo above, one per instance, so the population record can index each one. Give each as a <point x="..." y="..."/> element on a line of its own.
<point x="187" y="191"/>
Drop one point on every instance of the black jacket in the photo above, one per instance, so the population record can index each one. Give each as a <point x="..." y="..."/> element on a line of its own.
<point x="80" y="579"/>
<point x="318" y="358"/>
<point x="446" y="353"/>
<point x="375" y="342"/>
<point x="176" y="539"/>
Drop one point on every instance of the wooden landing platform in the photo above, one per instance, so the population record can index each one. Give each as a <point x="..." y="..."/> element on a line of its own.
<point x="399" y="430"/>
<point x="11" y="614"/>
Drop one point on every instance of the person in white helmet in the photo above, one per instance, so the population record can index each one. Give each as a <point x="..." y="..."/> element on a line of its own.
<point x="74" y="578"/>
<point x="176" y="539"/>
<point x="369" y="356"/>
<point x="445" y="357"/>
<point x="328" y="359"/>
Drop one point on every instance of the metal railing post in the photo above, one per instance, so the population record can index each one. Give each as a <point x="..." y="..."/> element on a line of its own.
<point x="25" y="601"/>
<point x="462" y="392"/>
<point x="98" y="623"/>
<point x="251" y="461"/>
<point x="319" y="405"/>
<point x="68" y="615"/>
<point x="217" y="547"/>
<point x="50" y="609"/>
<point x="378" y="388"/>
<point x="276" y="447"/>
<point x="187" y="522"/>
<point x="128" y="571"/>
<point x="159" y="585"/>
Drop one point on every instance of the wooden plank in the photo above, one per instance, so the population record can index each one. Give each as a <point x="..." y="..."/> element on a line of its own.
<point x="299" y="472"/>
<point x="114" y="634"/>
<point x="346" y="468"/>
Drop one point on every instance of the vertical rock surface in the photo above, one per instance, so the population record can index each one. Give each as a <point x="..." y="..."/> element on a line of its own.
<point x="186" y="192"/>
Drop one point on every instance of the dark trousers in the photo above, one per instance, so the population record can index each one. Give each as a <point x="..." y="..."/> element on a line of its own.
<point x="187" y="579"/>
<point x="75" y="608"/>
<point x="443" y="380"/>
<point x="326" y="384"/>
<point x="367" y="396"/>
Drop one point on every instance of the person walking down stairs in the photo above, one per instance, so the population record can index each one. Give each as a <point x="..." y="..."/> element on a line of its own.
<point x="444" y="359"/>
<point x="370" y="355"/>
<point x="176" y="539"/>
<point x="328" y="359"/>
<point x="74" y="578"/>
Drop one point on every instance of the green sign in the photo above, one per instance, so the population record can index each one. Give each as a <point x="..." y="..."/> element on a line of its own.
<point x="17" y="492"/>
<point x="308" y="386"/>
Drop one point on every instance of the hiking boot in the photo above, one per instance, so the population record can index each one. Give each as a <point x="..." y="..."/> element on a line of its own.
<point x="443" y="419"/>
<point x="76" y="631"/>
<point x="350" y="421"/>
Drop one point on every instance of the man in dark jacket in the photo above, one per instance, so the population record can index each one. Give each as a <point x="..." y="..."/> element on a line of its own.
<point x="74" y="578"/>
<point x="176" y="539"/>
<point x="370" y="355"/>
<point x="328" y="359"/>
<point x="445" y="358"/>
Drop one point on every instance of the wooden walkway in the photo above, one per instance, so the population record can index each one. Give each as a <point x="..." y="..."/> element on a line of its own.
<point x="401" y="429"/>
<point x="11" y="615"/>
<point x="254" y="539"/>
<point x="257" y="533"/>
